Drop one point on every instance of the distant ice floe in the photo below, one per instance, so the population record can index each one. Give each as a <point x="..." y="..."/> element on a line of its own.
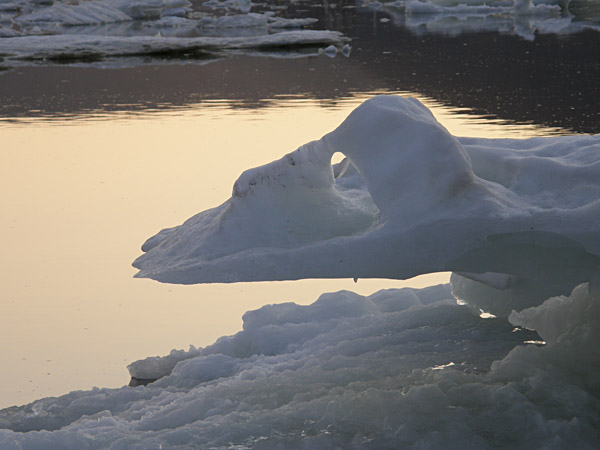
<point x="103" y="29"/>
<point x="452" y="17"/>
<point x="74" y="47"/>
<point x="397" y="369"/>
<point x="515" y="216"/>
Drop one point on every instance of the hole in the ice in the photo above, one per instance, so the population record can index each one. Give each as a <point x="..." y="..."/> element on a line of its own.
<point x="339" y="164"/>
<point x="337" y="158"/>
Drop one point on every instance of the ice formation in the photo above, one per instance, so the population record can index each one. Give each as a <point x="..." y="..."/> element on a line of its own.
<point x="516" y="216"/>
<point x="93" y="31"/>
<point x="39" y="48"/>
<point x="522" y="17"/>
<point x="398" y="369"/>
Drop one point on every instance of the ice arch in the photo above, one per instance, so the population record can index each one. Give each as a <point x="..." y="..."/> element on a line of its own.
<point x="414" y="199"/>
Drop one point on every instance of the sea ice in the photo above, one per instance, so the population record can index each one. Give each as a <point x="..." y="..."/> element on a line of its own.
<point x="39" y="48"/>
<point x="413" y="200"/>
<point x="397" y="369"/>
<point x="94" y="31"/>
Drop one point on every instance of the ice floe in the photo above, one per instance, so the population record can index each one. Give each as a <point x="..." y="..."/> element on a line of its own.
<point x="514" y="215"/>
<point x="397" y="369"/>
<point x="104" y="29"/>
<point x="78" y="47"/>
<point x="525" y="18"/>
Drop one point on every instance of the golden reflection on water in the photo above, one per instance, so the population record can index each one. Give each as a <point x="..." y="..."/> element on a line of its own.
<point x="80" y="196"/>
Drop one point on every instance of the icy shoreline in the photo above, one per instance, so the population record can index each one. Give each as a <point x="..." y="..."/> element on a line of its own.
<point x="98" y="31"/>
<point x="406" y="367"/>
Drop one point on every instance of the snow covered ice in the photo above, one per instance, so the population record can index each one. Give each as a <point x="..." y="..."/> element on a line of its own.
<point x="515" y="220"/>
<point x="412" y="200"/>
<point x="103" y="31"/>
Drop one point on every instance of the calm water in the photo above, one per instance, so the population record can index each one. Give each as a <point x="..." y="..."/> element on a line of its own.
<point x="95" y="161"/>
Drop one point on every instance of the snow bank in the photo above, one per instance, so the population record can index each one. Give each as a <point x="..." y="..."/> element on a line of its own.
<point x="414" y="200"/>
<point x="398" y="369"/>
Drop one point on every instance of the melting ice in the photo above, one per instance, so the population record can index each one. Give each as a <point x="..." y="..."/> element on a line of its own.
<point x="101" y="30"/>
<point x="517" y="222"/>
<point x="519" y="217"/>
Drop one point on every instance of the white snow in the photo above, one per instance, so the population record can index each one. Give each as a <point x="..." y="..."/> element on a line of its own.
<point x="398" y="369"/>
<point x="414" y="200"/>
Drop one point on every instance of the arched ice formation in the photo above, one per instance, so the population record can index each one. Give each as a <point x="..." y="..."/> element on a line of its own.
<point x="519" y="216"/>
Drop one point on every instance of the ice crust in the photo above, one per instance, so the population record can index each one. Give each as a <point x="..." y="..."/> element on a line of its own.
<point x="398" y="369"/>
<point x="519" y="216"/>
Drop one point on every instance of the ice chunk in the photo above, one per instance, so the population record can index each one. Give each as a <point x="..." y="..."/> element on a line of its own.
<point x="155" y="367"/>
<point x="96" y="31"/>
<point x="329" y="51"/>
<point x="416" y="200"/>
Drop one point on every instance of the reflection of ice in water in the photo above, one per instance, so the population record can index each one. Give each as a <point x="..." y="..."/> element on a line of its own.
<point x="145" y="27"/>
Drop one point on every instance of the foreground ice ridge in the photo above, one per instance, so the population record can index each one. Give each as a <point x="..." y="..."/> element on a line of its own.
<point x="398" y="369"/>
<point x="520" y="216"/>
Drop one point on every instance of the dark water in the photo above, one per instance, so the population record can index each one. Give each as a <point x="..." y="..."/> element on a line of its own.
<point x="551" y="80"/>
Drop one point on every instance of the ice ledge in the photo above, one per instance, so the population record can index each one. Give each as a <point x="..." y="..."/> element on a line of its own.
<point x="414" y="200"/>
